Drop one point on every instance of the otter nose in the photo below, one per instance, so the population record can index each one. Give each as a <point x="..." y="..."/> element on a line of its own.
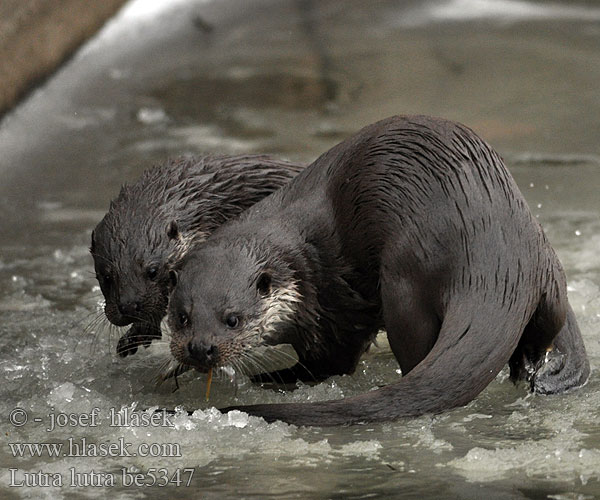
<point x="202" y="353"/>
<point x="131" y="308"/>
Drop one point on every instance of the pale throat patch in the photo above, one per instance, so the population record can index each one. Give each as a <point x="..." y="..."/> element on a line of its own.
<point x="279" y="307"/>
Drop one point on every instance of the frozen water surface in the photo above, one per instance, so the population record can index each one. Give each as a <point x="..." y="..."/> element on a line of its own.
<point x="290" y="78"/>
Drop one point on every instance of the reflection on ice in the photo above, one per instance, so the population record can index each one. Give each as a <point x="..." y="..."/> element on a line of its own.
<point x="498" y="10"/>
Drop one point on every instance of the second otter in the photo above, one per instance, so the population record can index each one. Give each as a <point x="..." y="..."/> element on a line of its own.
<point x="414" y="225"/>
<point x="153" y="222"/>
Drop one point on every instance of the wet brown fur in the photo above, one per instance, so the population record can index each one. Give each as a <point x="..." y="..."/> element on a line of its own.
<point x="413" y="225"/>
<point x="153" y="222"/>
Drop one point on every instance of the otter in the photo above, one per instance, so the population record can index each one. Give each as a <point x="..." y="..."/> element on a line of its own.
<point x="413" y="225"/>
<point x="152" y="223"/>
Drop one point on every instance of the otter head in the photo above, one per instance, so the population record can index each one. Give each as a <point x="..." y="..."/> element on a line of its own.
<point x="228" y="299"/>
<point x="132" y="255"/>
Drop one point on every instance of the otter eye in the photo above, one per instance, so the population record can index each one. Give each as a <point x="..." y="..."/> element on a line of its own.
<point x="184" y="319"/>
<point x="106" y="279"/>
<point x="152" y="272"/>
<point x="232" y="321"/>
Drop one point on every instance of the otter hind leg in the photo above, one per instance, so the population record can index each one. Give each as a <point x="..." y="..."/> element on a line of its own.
<point x="566" y="365"/>
<point x="411" y="324"/>
<point x="551" y="355"/>
<point x="535" y="341"/>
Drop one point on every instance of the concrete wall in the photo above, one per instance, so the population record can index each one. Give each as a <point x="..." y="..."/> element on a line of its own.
<point x="37" y="35"/>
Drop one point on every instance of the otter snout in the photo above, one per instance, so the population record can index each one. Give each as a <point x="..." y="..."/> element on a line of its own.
<point x="129" y="309"/>
<point x="121" y="313"/>
<point x="200" y="354"/>
<point x="115" y="316"/>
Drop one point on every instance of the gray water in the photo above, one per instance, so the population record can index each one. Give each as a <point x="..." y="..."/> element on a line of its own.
<point x="290" y="78"/>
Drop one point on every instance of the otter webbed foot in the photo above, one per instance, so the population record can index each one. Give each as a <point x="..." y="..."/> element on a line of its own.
<point x="566" y="365"/>
<point x="547" y="377"/>
<point x="140" y="334"/>
<point x="541" y="374"/>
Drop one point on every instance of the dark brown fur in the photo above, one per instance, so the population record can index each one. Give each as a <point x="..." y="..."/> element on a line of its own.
<point x="413" y="225"/>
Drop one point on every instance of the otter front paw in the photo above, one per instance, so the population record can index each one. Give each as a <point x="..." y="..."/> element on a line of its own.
<point x="138" y="335"/>
<point x="287" y="376"/>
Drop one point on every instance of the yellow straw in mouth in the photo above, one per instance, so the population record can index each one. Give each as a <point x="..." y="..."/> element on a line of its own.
<point x="208" y="382"/>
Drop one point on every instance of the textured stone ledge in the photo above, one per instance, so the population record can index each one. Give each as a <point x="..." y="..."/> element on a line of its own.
<point x="36" y="36"/>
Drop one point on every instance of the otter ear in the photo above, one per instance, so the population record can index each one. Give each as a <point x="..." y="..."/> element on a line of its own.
<point x="93" y="245"/>
<point x="173" y="278"/>
<point x="263" y="283"/>
<point x="173" y="230"/>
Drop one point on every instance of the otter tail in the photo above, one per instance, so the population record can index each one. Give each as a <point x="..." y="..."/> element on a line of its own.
<point x="473" y="345"/>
